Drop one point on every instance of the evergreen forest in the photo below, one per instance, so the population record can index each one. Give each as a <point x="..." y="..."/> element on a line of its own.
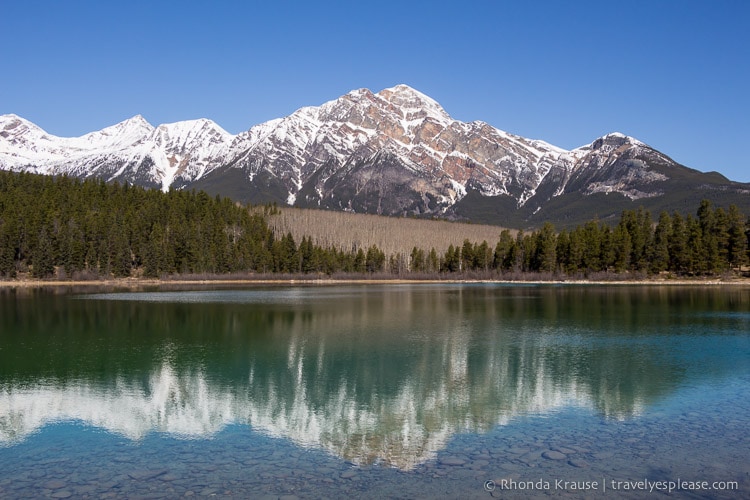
<point x="67" y="228"/>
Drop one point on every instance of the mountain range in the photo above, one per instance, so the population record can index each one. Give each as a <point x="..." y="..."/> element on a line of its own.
<point x="395" y="152"/>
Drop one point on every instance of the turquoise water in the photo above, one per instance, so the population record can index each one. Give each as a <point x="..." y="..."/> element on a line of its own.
<point x="401" y="391"/>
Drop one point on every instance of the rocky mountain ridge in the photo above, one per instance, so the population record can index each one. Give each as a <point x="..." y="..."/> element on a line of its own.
<point x="394" y="152"/>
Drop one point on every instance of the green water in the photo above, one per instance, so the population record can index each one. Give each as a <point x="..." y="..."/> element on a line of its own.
<point x="401" y="391"/>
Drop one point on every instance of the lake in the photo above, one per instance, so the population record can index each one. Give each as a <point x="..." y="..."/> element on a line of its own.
<point x="380" y="390"/>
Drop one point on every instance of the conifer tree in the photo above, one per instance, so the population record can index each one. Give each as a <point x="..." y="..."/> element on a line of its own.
<point x="659" y="252"/>
<point x="504" y="251"/>
<point x="577" y="250"/>
<point x="622" y="248"/>
<point x="467" y="255"/>
<point x="359" y="265"/>
<point x="679" y="253"/>
<point x="433" y="261"/>
<point x="519" y="255"/>
<point x="43" y="259"/>
<point x="7" y="254"/>
<point x="452" y="260"/>
<point x="592" y="246"/>
<point x="721" y="236"/>
<point x="562" y="250"/>
<point x="375" y="260"/>
<point x="697" y="258"/>
<point x="483" y="256"/>
<point x="547" y="248"/>
<point x="417" y="262"/>
<point x="736" y="239"/>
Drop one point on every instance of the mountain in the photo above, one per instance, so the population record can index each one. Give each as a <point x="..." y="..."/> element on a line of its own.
<point x="131" y="151"/>
<point x="394" y="152"/>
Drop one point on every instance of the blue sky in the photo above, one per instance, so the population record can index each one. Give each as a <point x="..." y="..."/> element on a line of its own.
<point x="674" y="74"/>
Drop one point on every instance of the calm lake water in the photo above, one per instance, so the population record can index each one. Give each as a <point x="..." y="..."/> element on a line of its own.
<point x="396" y="391"/>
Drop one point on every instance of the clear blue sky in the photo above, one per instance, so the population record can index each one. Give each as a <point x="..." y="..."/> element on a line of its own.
<point x="674" y="74"/>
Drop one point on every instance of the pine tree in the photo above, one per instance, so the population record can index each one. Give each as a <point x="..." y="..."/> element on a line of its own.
<point x="679" y="253"/>
<point x="308" y="256"/>
<point x="736" y="238"/>
<point x="120" y="258"/>
<point x="452" y="259"/>
<point x="467" y="255"/>
<point x="547" y="248"/>
<point x="607" y="248"/>
<point x="416" y="259"/>
<point x="433" y="261"/>
<point x="43" y="259"/>
<point x="375" y="260"/>
<point x="359" y="261"/>
<point x="697" y="259"/>
<point x="709" y="247"/>
<point x="659" y="250"/>
<point x="721" y="236"/>
<point x="504" y="251"/>
<point x="7" y="254"/>
<point x="519" y="256"/>
<point x="592" y="247"/>
<point x="622" y="248"/>
<point x="483" y="256"/>
<point x="563" y="250"/>
<point x="577" y="251"/>
<point x="74" y="258"/>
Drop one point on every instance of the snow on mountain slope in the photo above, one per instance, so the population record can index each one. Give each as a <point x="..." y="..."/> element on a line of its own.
<point x="121" y="136"/>
<point x="410" y="126"/>
<point x="183" y="149"/>
<point x="187" y="149"/>
<point x="24" y="144"/>
<point x="396" y="151"/>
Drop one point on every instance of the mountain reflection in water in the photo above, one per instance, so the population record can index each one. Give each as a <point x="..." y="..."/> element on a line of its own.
<point x="372" y="374"/>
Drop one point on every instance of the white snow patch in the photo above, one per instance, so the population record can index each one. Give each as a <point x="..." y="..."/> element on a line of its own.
<point x="460" y="190"/>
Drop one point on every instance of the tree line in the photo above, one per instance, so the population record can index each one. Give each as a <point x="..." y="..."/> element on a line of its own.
<point x="715" y="241"/>
<point x="86" y="229"/>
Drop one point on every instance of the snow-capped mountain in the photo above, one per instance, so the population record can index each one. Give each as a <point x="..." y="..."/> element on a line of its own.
<point x="132" y="150"/>
<point x="394" y="152"/>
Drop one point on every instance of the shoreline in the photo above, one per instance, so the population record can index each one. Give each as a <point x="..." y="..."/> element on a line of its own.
<point x="139" y="282"/>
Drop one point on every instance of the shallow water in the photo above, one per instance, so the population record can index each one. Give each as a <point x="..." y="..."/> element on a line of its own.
<point x="402" y="391"/>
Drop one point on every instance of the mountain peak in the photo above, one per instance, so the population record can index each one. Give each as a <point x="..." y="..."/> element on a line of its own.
<point x="137" y="122"/>
<point x="137" y="119"/>
<point x="120" y="135"/>
<point x="416" y="104"/>
<point x="10" y="117"/>
<point x="191" y="130"/>
<point x="12" y="121"/>
<point x="622" y="138"/>
<point x="611" y="141"/>
<point x="404" y="90"/>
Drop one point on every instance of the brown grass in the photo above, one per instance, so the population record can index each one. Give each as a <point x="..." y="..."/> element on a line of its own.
<point x="393" y="235"/>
